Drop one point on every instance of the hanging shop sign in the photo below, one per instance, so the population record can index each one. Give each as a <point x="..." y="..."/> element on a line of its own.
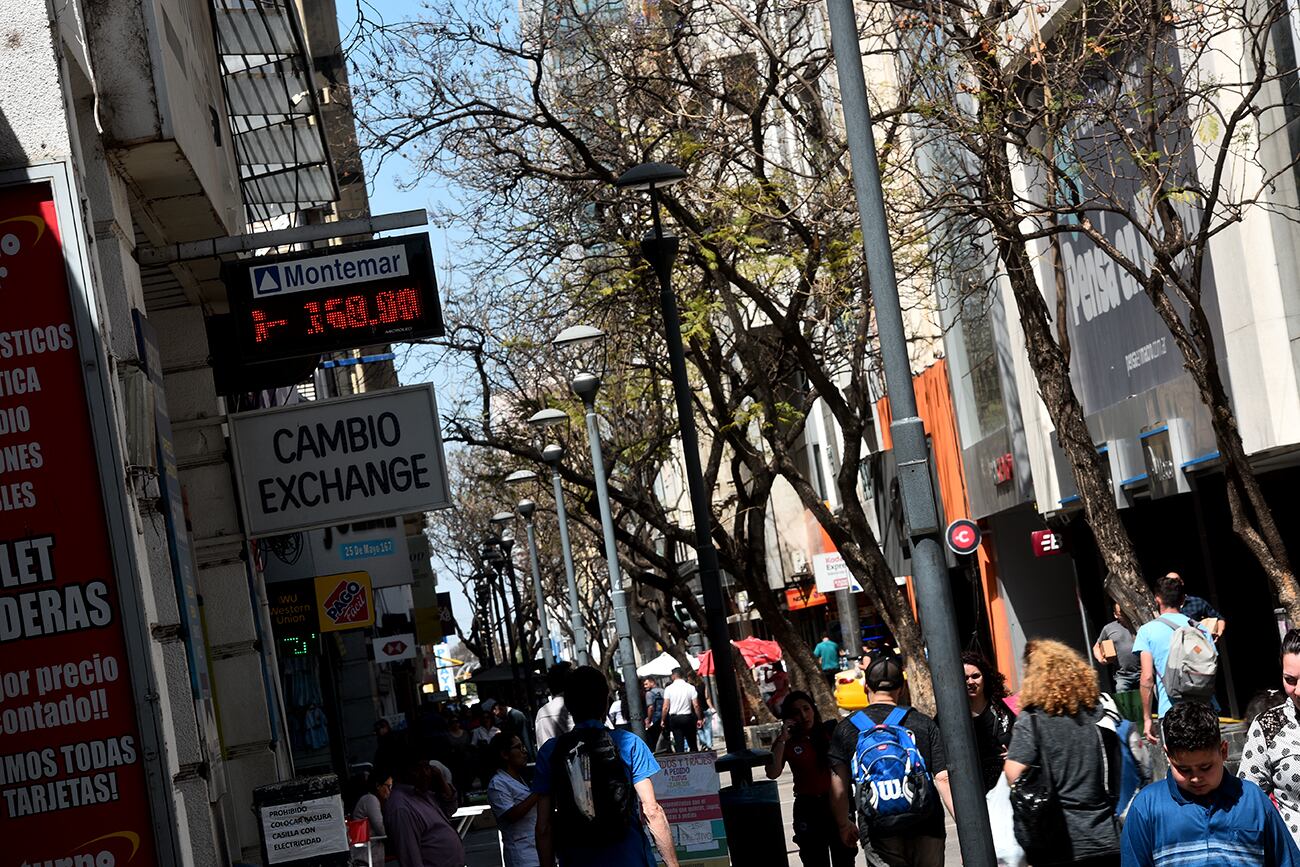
<point x="1046" y="543"/>
<point x="963" y="536"/>
<point x="378" y="547"/>
<point x="687" y="789"/>
<point x="394" y="648"/>
<point x="312" y="302"/>
<point x="344" y="602"/>
<point x="73" y="785"/>
<point x="320" y="463"/>
<point x="833" y="574"/>
<point x="293" y="609"/>
<point x="796" y="598"/>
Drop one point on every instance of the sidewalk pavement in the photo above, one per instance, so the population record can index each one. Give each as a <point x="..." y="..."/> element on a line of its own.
<point x="481" y="848"/>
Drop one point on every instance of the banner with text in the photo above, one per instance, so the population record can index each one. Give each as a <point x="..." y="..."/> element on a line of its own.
<point x="72" y="783"/>
<point x="687" y="789"/>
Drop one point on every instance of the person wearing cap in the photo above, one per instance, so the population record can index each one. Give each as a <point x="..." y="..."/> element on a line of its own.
<point x="925" y="846"/>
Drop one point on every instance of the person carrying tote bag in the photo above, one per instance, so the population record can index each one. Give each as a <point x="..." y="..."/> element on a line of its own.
<point x="1060" y="766"/>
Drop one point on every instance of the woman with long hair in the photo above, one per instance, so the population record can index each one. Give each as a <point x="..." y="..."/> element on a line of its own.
<point x="985" y="689"/>
<point x="1057" y="734"/>
<point x="803" y="744"/>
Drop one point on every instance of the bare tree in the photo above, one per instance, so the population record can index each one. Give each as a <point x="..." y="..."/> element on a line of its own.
<point x="1122" y="139"/>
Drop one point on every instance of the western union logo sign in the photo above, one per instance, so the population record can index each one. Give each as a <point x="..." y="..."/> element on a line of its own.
<point x="324" y="272"/>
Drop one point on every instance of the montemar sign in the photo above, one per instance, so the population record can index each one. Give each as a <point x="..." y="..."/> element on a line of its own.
<point x="329" y="462"/>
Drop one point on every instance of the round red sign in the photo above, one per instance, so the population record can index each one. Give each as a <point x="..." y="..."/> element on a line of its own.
<point x="963" y="536"/>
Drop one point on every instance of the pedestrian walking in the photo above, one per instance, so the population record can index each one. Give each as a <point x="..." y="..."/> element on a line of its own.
<point x="654" y="713"/>
<point x="1153" y="645"/>
<point x="618" y="712"/>
<point x="512" y="719"/>
<point x="985" y="690"/>
<point x="418" y="813"/>
<point x="1114" y="649"/>
<point x="1074" y="760"/>
<point x="514" y="804"/>
<point x="828" y="654"/>
<point x="804" y="744"/>
<point x="1271" y="756"/>
<point x="706" y="730"/>
<point x="897" y="801"/>
<point x="682" y="705"/>
<point x="1199" y="816"/>
<point x="370" y="807"/>
<point x="553" y="718"/>
<point x="1200" y="611"/>
<point x="596" y="797"/>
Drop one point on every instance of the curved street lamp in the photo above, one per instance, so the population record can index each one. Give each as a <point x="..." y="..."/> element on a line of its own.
<point x="526" y="508"/>
<point x="582" y="344"/>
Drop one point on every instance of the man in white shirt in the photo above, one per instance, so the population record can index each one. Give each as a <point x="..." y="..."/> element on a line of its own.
<point x="682" y="707"/>
<point x="553" y="718"/>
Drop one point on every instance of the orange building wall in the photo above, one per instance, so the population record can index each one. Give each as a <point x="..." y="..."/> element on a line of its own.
<point x="934" y="404"/>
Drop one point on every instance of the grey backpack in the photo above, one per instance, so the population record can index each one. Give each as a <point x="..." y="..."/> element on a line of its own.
<point x="1192" y="665"/>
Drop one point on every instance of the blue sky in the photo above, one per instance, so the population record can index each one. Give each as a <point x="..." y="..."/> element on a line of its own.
<point x="387" y="196"/>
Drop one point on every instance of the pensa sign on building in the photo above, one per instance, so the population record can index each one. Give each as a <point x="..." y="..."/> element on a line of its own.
<point x="339" y="461"/>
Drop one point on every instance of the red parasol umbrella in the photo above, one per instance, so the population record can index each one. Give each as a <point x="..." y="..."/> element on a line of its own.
<point x="755" y="652"/>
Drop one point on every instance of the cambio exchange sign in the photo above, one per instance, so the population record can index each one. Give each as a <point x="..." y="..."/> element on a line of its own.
<point x="330" y="462"/>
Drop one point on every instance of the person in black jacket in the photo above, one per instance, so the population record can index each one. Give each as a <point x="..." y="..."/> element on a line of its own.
<point x="985" y="689"/>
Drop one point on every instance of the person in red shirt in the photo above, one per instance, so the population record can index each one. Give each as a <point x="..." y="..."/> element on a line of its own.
<point x="803" y="744"/>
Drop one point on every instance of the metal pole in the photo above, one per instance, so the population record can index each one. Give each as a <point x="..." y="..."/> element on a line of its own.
<point x="575" y="613"/>
<point x="660" y="250"/>
<point x="540" y="599"/>
<point x="929" y="569"/>
<point x="850" y="629"/>
<point x="526" y="680"/>
<point x="627" y="660"/>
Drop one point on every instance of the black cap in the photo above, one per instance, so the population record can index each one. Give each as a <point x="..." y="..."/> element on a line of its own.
<point x="884" y="674"/>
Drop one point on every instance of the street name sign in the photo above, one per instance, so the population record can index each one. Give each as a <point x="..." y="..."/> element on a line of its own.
<point x="330" y="462"/>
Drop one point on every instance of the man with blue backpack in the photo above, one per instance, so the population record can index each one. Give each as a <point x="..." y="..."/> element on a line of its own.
<point x="890" y="773"/>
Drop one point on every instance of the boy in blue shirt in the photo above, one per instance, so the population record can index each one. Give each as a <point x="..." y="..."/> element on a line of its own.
<point x="1198" y="816"/>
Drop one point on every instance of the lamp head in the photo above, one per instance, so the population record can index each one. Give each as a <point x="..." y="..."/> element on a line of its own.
<point x="502" y="519"/>
<point x="585" y="385"/>
<point x="650" y="175"/>
<point x="526" y="508"/>
<point x="580" y="348"/>
<point x="553" y="454"/>
<point x="521" y="476"/>
<point x="549" y="417"/>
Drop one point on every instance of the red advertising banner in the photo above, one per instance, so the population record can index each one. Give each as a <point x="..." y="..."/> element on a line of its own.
<point x="72" y="782"/>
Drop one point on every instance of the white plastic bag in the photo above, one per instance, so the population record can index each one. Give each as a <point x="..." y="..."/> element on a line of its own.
<point x="1000" y="819"/>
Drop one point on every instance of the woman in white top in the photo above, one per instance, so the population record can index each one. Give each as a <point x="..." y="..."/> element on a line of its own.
<point x="371" y="807"/>
<point x="513" y="803"/>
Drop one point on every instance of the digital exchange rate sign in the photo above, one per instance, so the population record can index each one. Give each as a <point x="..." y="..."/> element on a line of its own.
<point x="333" y="298"/>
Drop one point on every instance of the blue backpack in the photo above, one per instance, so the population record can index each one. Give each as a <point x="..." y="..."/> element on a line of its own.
<point x="895" y="794"/>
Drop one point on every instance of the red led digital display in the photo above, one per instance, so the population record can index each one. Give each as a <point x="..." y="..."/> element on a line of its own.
<point x="339" y="313"/>
<point x="290" y="319"/>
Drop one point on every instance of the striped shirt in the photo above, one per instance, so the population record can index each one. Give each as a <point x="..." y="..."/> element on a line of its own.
<point x="1235" y="825"/>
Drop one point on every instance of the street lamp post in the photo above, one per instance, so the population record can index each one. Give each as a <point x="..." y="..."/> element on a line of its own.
<point x="929" y="570"/>
<point x="526" y="508"/>
<point x="496" y="552"/>
<point x="552" y="454"/>
<point x="751" y="811"/>
<point x="585" y="385"/>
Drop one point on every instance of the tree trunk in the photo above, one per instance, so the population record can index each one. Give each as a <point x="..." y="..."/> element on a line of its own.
<point x="1124" y="581"/>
